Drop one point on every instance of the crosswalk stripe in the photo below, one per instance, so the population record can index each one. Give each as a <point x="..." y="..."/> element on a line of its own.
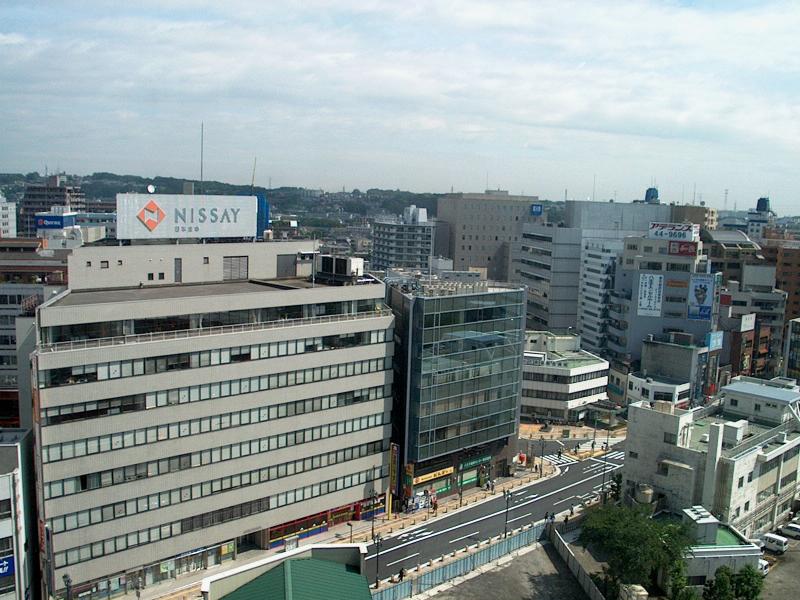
<point x="564" y="460"/>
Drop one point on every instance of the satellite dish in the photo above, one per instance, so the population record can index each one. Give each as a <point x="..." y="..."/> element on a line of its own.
<point x="151" y="188"/>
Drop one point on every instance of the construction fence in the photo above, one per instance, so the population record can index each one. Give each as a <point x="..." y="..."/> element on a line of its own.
<point x="447" y="569"/>
<point x="565" y="552"/>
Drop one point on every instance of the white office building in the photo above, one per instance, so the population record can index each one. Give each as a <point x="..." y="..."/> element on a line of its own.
<point x="560" y="382"/>
<point x="738" y="459"/>
<point x="404" y="242"/>
<point x="18" y="568"/>
<point x="180" y="424"/>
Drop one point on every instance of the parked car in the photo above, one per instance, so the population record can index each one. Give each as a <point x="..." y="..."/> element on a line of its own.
<point x="759" y="543"/>
<point x="775" y="543"/>
<point x="791" y="530"/>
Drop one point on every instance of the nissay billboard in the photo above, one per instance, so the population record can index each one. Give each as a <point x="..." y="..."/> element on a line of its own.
<point x="169" y="216"/>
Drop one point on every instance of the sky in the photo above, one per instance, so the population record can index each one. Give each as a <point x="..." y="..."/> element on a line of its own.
<point x="585" y="99"/>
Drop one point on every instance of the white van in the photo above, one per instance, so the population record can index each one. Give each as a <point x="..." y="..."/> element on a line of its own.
<point x="775" y="543"/>
<point x="791" y="529"/>
<point x="763" y="566"/>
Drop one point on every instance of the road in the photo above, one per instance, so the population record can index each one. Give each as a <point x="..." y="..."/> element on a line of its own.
<point x="577" y="481"/>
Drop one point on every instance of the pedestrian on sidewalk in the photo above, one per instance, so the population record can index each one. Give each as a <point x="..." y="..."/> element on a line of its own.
<point x="559" y="454"/>
<point x="571" y="509"/>
<point x="493" y="486"/>
<point x="566" y="519"/>
<point x="435" y="507"/>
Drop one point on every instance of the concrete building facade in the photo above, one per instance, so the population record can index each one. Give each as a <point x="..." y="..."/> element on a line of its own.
<point x="19" y="573"/>
<point x="560" y="382"/>
<point x="739" y="459"/>
<point x="41" y="197"/>
<point x="177" y="423"/>
<point x="483" y="229"/>
<point x="705" y="216"/>
<point x="405" y="242"/>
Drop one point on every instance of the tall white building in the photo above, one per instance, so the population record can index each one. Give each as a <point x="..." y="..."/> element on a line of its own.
<point x="560" y="382"/>
<point x="178" y="424"/>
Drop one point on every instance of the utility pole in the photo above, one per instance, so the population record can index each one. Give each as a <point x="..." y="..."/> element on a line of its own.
<point x="508" y="496"/>
<point x="374" y="498"/>
<point x="605" y="462"/>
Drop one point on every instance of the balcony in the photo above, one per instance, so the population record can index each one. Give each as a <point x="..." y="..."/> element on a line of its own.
<point x="221" y="330"/>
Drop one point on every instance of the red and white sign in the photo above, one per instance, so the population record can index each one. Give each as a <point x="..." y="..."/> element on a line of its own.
<point x="682" y="248"/>
<point x="683" y="232"/>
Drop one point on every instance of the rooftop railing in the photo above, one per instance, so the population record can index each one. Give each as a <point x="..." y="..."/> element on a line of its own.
<point x="161" y="336"/>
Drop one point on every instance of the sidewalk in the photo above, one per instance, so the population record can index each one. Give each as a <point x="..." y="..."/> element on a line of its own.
<point x="188" y="587"/>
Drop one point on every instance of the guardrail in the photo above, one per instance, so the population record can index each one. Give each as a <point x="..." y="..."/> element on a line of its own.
<point x="192" y="333"/>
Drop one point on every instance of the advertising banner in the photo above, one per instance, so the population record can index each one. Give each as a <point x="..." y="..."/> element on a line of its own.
<point x="172" y="216"/>
<point x="748" y="322"/>
<point x="701" y="297"/>
<point x="394" y="464"/>
<point x="6" y="566"/>
<point x="714" y="340"/>
<point x="683" y="232"/>
<point x="537" y="210"/>
<point x="651" y="291"/>
<point x="682" y="248"/>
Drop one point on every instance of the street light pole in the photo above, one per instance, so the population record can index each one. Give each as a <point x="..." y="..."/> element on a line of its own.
<point x="541" y="471"/>
<point x="374" y="498"/>
<point x="378" y="541"/>
<point x="508" y="495"/>
<point x="605" y="462"/>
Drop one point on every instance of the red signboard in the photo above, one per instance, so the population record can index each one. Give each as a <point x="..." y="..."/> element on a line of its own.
<point x="679" y="248"/>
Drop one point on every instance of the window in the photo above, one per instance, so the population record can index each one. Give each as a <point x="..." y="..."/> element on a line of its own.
<point x="747" y="506"/>
<point x="205" y="260"/>
<point x="663" y="469"/>
<point x="88" y="263"/>
<point x="741" y="481"/>
<point x="5" y="508"/>
<point x="733" y="402"/>
<point x="160" y="276"/>
<point x="749" y="477"/>
<point x="757" y="407"/>
<point x="670" y="438"/>
<point x="150" y="277"/>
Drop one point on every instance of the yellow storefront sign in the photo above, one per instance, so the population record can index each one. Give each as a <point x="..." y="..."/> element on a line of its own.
<point x="432" y="476"/>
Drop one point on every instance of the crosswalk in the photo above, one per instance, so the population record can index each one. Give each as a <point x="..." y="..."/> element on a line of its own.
<point x="564" y="460"/>
<point x="615" y="455"/>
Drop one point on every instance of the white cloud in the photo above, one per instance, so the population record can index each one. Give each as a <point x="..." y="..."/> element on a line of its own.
<point x="628" y="90"/>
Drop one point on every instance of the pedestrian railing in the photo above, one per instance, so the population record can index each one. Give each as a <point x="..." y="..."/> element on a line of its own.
<point x="472" y="559"/>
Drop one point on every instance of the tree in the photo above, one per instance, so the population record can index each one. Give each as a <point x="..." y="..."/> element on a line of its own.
<point x="721" y="587"/>
<point x="636" y="545"/>
<point x="747" y="583"/>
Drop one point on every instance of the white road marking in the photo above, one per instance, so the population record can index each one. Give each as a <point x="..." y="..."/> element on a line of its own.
<point x="394" y="562"/>
<point x="566" y="469"/>
<point x="499" y="512"/>
<point x="518" y="518"/>
<point x="463" y="537"/>
<point x="564" y="500"/>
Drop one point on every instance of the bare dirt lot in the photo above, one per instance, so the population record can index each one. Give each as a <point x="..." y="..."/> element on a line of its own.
<point x="783" y="580"/>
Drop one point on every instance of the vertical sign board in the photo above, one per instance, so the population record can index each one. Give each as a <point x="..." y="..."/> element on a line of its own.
<point x="651" y="290"/>
<point x="701" y="297"/>
<point x="394" y="463"/>
<point x="537" y="210"/>
<point x="714" y="340"/>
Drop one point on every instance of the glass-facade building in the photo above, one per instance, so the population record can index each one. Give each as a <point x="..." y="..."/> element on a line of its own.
<point x="458" y="374"/>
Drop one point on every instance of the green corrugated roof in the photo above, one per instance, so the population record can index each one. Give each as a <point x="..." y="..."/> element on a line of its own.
<point x="305" y="579"/>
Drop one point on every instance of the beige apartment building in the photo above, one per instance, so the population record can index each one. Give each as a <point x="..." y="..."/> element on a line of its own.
<point x="180" y="423"/>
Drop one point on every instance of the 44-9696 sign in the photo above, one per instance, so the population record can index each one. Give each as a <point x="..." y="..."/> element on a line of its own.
<point x="171" y="216"/>
<point x="684" y="232"/>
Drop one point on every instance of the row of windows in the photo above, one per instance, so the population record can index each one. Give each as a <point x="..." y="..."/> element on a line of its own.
<point x="194" y="360"/>
<point x="121" y="543"/>
<point x="546" y="395"/>
<point x="90" y="481"/>
<point x="566" y="379"/>
<point x="209" y="391"/>
<point x="507" y="365"/>
<point x="178" y="429"/>
<point x="109" y="512"/>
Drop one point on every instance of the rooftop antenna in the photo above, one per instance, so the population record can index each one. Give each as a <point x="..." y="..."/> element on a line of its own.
<point x="253" y="178"/>
<point x="725" y="202"/>
<point x="202" y="140"/>
<point x="694" y="194"/>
